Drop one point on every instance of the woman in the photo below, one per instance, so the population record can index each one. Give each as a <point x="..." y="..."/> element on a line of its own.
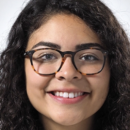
<point x="66" y="66"/>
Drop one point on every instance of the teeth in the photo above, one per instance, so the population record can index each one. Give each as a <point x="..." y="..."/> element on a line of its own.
<point x="57" y="94"/>
<point x="71" y="95"/>
<point x="68" y="95"/>
<point x="65" y="95"/>
<point x="76" y="95"/>
<point x="79" y="94"/>
<point x="61" y="94"/>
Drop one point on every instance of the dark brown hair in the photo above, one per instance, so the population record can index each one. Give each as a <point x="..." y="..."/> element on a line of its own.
<point x="16" y="112"/>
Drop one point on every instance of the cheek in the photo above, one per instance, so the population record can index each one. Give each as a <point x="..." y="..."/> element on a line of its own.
<point x="35" y="83"/>
<point x="100" y="87"/>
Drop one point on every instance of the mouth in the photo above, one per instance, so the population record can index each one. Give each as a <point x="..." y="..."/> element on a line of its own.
<point x="70" y="97"/>
<point x="68" y="94"/>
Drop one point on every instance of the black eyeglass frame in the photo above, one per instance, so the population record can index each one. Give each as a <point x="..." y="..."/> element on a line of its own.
<point x="31" y="52"/>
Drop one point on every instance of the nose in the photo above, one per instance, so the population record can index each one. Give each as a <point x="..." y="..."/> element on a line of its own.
<point x="68" y="71"/>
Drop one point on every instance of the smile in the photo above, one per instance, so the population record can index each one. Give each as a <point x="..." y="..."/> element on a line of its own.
<point x="68" y="94"/>
<point x="68" y="97"/>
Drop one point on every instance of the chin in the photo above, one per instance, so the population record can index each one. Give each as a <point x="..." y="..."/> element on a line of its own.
<point x="67" y="120"/>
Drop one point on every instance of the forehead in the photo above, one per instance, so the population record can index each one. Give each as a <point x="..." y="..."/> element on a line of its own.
<point x="65" y="30"/>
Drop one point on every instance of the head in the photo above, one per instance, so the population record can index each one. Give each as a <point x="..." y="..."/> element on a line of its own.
<point x="88" y="21"/>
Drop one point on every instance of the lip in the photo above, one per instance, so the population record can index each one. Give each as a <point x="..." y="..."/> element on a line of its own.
<point x="63" y="100"/>
<point x="66" y="90"/>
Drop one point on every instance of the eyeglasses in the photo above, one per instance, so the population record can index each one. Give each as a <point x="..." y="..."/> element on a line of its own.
<point x="48" y="61"/>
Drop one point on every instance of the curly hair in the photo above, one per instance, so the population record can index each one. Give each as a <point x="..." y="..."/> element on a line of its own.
<point x="16" y="112"/>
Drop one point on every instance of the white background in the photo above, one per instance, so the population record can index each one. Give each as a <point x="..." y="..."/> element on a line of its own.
<point x="9" y="10"/>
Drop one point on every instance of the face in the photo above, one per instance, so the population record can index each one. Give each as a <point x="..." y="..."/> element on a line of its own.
<point x="66" y="31"/>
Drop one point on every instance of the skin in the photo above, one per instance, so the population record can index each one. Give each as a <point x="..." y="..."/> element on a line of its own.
<point x="67" y="31"/>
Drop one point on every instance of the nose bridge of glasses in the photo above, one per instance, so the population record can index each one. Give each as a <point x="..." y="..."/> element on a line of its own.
<point x="67" y="54"/>
<point x="70" y="55"/>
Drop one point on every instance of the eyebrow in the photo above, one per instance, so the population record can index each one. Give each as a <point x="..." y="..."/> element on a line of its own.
<point x="48" y="44"/>
<point x="88" y="45"/>
<point x="56" y="46"/>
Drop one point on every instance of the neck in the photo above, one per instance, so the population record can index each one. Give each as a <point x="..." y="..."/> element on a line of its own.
<point x="86" y="124"/>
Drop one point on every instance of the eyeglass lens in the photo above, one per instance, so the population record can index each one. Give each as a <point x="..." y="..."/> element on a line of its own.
<point x="49" y="61"/>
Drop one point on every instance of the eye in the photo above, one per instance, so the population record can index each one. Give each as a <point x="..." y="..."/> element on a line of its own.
<point x="46" y="57"/>
<point x="88" y="58"/>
